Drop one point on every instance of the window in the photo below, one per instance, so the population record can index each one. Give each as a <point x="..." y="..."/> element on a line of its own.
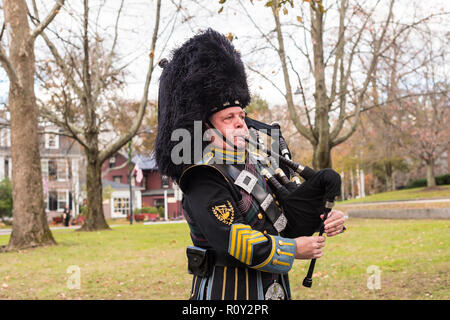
<point x="62" y="200"/>
<point x="5" y="137"/>
<point x="52" y="170"/>
<point x="61" y="169"/>
<point x="117" y="179"/>
<point x="158" y="203"/>
<point x="112" y="162"/>
<point x="164" y="181"/>
<point x="122" y="206"/>
<point x="6" y="168"/>
<point x="57" y="200"/>
<point x="52" y="201"/>
<point x="51" y="141"/>
<point x="55" y="169"/>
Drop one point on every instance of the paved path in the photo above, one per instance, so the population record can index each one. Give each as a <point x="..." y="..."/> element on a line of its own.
<point x="8" y="231"/>
<point x="357" y="210"/>
<point x="395" y="201"/>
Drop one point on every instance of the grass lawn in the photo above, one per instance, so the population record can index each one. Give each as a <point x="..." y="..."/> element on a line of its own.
<point x="406" y="194"/>
<point x="148" y="262"/>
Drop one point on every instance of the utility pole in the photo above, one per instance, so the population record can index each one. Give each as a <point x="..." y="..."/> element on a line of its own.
<point x="165" y="186"/>
<point x="130" y="176"/>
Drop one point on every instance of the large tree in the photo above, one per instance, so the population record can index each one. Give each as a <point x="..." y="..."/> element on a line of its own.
<point x="30" y="227"/>
<point x="416" y="86"/>
<point x="340" y="43"/>
<point x="85" y="80"/>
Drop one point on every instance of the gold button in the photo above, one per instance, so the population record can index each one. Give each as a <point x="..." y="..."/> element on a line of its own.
<point x="275" y="261"/>
<point x="278" y="204"/>
<point x="260" y="216"/>
<point x="274" y="196"/>
<point x="278" y="251"/>
<point x="265" y="231"/>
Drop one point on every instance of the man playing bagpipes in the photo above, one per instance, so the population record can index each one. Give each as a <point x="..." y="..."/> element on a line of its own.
<point x="244" y="239"/>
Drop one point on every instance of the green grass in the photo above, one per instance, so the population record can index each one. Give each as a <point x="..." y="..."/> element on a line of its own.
<point x="148" y="262"/>
<point x="406" y="194"/>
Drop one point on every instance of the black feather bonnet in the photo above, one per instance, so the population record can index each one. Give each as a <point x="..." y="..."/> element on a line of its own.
<point x="205" y="75"/>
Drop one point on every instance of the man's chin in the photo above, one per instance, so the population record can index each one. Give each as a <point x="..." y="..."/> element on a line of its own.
<point x="240" y="143"/>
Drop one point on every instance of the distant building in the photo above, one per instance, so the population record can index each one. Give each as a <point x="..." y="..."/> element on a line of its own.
<point x="115" y="176"/>
<point x="156" y="185"/>
<point x="61" y="160"/>
<point x="148" y="193"/>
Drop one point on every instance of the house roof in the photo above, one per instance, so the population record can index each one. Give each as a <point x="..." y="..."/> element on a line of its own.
<point x="117" y="185"/>
<point x="158" y="192"/>
<point x="145" y="162"/>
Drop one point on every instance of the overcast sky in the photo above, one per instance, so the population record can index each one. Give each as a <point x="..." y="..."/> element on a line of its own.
<point x="137" y="20"/>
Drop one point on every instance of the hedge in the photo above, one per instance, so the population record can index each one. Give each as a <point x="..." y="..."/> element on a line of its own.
<point x="440" y="180"/>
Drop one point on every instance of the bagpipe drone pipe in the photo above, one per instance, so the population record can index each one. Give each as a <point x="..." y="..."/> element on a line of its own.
<point x="303" y="203"/>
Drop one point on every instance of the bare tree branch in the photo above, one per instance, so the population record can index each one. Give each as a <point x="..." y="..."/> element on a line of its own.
<point x="266" y="78"/>
<point x="98" y="83"/>
<point x="76" y="132"/>
<point x="44" y="23"/>
<point x="115" y="146"/>
<point x="307" y="133"/>
<point x="9" y="68"/>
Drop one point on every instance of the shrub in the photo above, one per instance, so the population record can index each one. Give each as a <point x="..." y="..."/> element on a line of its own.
<point x="161" y="212"/>
<point x="6" y="200"/>
<point x="444" y="179"/>
<point x="440" y="180"/>
<point x="148" y="210"/>
<point x="417" y="183"/>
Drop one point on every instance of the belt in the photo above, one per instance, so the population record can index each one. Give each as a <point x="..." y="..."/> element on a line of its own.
<point x="224" y="260"/>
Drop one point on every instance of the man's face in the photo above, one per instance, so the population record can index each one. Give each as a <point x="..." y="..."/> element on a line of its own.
<point x="230" y="122"/>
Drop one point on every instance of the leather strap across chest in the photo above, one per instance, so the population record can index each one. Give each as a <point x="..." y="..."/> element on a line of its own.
<point x="249" y="183"/>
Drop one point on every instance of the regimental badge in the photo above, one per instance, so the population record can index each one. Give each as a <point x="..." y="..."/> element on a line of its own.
<point x="224" y="212"/>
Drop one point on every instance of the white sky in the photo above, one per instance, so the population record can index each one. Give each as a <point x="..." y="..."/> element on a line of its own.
<point x="136" y="26"/>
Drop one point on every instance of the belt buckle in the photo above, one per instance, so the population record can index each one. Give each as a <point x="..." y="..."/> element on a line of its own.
<point x="275" y="292"/>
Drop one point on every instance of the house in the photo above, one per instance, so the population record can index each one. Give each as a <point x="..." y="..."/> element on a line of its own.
<point x="61" y="160"/>
<point x="118" y="204"/>
<point x="153" y="191"/>
<point x="158" y="188"/>
<point x="116" y="187"/>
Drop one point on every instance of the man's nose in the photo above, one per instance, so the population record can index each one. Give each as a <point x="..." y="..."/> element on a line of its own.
<point x="239" y="123"/>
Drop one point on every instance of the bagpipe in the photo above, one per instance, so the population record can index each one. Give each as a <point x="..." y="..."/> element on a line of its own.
<point x="303" y="203"/>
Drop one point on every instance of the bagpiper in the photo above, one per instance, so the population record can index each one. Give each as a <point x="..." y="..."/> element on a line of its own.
<point x="236" y="223"/>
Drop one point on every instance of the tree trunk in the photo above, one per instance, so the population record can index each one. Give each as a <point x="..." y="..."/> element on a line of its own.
<point x="431" y="181"/>
<point x="321" y="157"/>
<point x="95" y="218"/>
<point x="30" y="227"/>
<point x="394" y="186"/>
<point x="322" y="150"/>
<point x="388" y="175"/>
<point x="352" y="184"/>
